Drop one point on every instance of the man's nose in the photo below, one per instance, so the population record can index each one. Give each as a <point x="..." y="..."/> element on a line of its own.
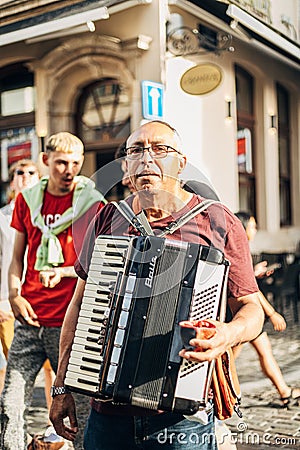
<point x="147" y="155"/>
<point x="69" y="167"/>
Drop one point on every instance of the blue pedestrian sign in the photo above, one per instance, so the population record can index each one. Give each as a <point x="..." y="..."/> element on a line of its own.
<point x="152" y="100"/>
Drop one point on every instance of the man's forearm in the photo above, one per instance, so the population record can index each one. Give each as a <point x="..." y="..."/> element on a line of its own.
<point x="14" y="279"/>
<point x="67" y="271"/>
<point x="247" y="322"/>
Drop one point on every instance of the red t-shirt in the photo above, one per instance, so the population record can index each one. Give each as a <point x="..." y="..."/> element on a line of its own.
<point x="50" y="304"/>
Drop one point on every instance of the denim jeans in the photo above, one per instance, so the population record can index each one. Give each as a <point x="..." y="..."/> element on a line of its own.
<point x="167" y="431"/>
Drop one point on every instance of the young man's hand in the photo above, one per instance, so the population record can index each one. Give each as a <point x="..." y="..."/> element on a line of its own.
<point x="23" y="311"/>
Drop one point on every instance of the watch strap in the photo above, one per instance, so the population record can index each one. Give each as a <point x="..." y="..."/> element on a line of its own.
<point x="58" y="390"/>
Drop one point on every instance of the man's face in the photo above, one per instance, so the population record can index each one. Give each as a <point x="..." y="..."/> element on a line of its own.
<point x="24" y="177"/>
<point x="63" y="167"/>
<point x="154" y="174"/>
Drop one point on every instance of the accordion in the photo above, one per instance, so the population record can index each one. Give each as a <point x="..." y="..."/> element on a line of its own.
<point x="128" y="336"/>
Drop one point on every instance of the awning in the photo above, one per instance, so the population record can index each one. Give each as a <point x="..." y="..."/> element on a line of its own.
<point x="53" y="21"/>
<point x="264" y="33"/>
<point x="260" y="33"/>
<point x="61" y="20"/>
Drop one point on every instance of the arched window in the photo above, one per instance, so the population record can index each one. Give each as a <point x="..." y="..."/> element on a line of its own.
<point x="103" y="124"/>
<point x="104" y="111"/>
<point x="245" y="139"/>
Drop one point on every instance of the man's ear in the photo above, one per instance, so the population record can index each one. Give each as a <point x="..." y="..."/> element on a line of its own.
<point x="45" y="158"/>
<point x="182" y="163"/>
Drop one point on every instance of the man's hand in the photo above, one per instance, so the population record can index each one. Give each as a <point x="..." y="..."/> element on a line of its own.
<point x="23" y="311"/>
<point x="261" y="270"/>
<point x="4" y="316"/>
<point x="208" y="349"/>
<point x="50" y="278"/>
<point x="64" y="406"/>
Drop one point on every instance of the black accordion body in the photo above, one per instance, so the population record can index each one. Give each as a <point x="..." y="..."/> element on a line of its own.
<point x="128" y="337"/>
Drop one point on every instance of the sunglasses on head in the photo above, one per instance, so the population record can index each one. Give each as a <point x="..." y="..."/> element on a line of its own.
<point x="22" y="172"/>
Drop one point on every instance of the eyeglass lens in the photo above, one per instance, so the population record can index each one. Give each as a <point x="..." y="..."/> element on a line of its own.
<point x="156" y="151"/>
<point x="22" y="172"/>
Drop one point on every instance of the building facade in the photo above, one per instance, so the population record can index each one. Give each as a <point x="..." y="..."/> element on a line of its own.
<point x="224" y="73"/>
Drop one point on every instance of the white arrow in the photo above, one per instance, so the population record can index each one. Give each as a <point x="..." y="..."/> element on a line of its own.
<point x="155" y="95"/>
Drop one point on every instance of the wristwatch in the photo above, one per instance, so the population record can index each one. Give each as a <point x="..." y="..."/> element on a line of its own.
<point x="58" y="390"/>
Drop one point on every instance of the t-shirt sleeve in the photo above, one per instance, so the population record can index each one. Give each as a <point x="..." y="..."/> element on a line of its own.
<point x="241" y="279"/>
<point x="100" y="224"/>
<point x="19" y="213"/>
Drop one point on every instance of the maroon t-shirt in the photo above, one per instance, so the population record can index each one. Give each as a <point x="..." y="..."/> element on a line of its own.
<point x="216" y="226"/>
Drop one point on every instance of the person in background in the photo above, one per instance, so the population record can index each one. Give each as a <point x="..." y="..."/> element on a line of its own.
<point x="49" y="218"/>
<point x="23" y="173"/>
<point x="154" y="160"/>
<point x="261" y="343"/>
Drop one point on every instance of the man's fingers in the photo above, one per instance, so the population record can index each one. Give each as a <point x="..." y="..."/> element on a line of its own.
<point x="33" y="323"/>
<point x="64" y="431"/>
<point x="73" y="422"/>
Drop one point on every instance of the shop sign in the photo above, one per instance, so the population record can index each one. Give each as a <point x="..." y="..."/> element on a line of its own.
<point x="201" y="79"/>
<point x="16" y="144"/>
<point x="244" y="150"/>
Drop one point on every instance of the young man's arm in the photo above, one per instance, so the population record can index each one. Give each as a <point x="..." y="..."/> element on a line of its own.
<point x="21" y="308"/>
<point x="63" y="405"/>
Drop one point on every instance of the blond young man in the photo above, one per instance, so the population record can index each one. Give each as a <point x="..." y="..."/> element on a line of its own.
<point x="50" y="219"/>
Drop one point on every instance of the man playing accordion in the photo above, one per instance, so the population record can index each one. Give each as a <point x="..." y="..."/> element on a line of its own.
<point x="154" y="160"/>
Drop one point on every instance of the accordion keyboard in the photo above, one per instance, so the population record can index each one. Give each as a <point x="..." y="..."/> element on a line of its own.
<point x="84" y="363"/>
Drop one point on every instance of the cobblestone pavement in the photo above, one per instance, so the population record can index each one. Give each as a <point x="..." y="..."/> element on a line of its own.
<point x="264" y="424"/>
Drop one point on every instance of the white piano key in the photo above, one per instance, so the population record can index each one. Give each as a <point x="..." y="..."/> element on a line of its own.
<point x="84" y="349"/>
<point x="79" y="358"/>
<point x="85" y="343"/>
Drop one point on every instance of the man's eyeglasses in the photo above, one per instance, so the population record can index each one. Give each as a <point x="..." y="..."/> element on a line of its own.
<point x="156" y="151"/>
<point x="22" y="172"/>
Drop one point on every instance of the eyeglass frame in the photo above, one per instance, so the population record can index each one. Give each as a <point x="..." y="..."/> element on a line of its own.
<point x="150" y="150"/>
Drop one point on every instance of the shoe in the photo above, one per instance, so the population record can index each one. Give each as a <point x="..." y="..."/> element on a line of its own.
<point x="50" y="435"/>
<point x="292" y="399"/>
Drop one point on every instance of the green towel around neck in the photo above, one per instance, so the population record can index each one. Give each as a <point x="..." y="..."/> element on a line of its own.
<point x="49" y="253"/>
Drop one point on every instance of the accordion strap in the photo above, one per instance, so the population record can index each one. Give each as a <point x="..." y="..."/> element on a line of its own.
<point x="140" y="221"/>
<point x="197" y="209"/>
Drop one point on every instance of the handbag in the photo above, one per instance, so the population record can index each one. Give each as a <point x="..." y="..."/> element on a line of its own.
<point x="226" y="387"/>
